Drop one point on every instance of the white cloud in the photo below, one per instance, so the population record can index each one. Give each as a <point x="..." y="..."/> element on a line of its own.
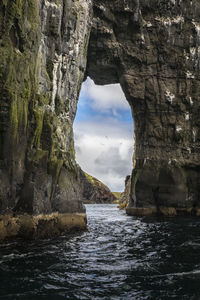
<point x="104" y="97"/>
<point x="104" y="140"/>
<point x="105" y="150"/>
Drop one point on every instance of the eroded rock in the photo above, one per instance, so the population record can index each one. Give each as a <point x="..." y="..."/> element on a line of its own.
<point x="43" y="46"/>
<point x="125" y="195"/>
<point x="152" y="49"/>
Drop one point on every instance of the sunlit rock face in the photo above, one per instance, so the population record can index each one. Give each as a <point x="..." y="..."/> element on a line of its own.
<point x="94" y="191"/>
<point x="43" y="46"/>
<point x="153" y="49"/>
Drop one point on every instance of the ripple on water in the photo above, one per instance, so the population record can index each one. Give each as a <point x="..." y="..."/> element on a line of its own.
<point x="119" y="257"/>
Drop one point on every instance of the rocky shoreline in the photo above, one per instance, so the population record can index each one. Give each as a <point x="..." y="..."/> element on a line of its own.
<point x="28" y="227"/>
<point x="162" y="211"/>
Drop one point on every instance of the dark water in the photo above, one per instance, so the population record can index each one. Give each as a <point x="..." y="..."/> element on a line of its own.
<point x="120" y="257"/>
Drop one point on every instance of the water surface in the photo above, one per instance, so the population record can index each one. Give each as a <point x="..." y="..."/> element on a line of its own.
<point x="119" y="257"/>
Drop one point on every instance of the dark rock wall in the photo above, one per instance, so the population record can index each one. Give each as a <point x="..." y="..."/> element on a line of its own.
<point x="43" y="46"/>
<point x="153" y="49"/>
<point x="125" y="195"/>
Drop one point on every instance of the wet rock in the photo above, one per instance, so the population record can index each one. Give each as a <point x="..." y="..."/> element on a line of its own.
<point x="28" y="226"/>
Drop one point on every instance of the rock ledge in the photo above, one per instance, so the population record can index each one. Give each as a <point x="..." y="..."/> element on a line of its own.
<point x="30" y="227"/>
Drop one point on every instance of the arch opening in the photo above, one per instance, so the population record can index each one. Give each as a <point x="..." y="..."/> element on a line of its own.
<point x="103" y="133"/>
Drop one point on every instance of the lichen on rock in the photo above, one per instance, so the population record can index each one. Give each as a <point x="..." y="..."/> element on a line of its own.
<point x="94" y="191"/>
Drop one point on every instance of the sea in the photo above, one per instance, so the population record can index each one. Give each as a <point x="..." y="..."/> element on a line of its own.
<point x="118" y="257"/>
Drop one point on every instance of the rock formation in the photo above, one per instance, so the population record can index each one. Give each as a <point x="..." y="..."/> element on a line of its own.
<point x="94" y="191"/>
<point x="125" y="196"/>
<point x="43" y="51"/>
<point x="152" y="48"/>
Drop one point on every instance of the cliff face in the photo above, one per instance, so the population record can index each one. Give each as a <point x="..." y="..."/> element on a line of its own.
<point x="43" y="46"/>
<point x="94" y="191"/>
<point x="125" y="195"/>
<point x="152" y="48"/>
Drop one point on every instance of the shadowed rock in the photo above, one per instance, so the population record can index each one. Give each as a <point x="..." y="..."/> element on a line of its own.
<point x="43" y="46"/>
<point x="125" y="195"/>
<point x="152" y="49"/>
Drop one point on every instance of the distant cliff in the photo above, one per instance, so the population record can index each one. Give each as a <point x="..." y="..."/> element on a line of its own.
<point x="94" y="191"/>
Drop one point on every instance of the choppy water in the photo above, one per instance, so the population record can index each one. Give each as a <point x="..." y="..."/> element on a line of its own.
<point x="120" y="257"/>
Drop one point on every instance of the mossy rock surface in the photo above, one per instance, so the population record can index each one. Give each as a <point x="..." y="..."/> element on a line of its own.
<point x="94" y="191"/>
<point x="39" y="88"/>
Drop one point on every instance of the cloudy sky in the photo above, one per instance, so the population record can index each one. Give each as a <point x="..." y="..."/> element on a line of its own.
<point x="103" y="131"/>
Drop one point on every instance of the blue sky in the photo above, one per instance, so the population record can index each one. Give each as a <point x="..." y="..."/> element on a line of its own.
<point x="103" y="131"/>
<point x="87" y="112"/>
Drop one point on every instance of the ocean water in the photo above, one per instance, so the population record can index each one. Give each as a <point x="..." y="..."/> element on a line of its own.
<point x="119" y="257"/>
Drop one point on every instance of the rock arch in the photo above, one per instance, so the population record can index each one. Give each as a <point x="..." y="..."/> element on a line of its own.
<point x="151" y="49"/>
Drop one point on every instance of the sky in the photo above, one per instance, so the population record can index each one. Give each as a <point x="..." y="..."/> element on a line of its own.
<point x="103" y="131"/>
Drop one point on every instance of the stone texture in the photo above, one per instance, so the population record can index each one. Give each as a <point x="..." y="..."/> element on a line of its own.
<point x="165" y="211"/>
<point x="125" y="195"/>
<point x="152" y="48"/>
<point x="94" y="191"/>
<point x="41" y="226"/>
<point x="43" y="46"/>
